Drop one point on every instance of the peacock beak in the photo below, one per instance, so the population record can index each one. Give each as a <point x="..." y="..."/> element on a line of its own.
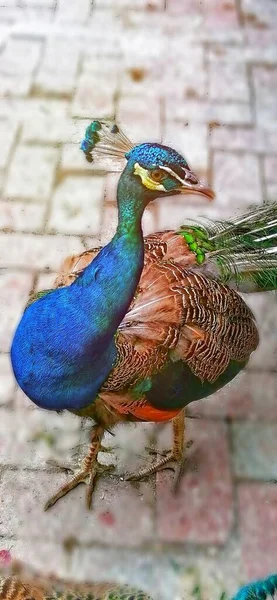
<point x="192" y="185"/>
<point x="189" y="182"/>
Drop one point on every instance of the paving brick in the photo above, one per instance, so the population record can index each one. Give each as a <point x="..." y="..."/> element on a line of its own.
<point x="18" y="62"/>
<point x="271" y="169"/>
<point x="46" y="129"/>
<point x="58" y="69"/>
<point x="73" y="12"/>
<point x="150" y="5"/>
<point x="31" y="489"/>
<point x="1" y="181"/>
<point x="202" y="510"/>
<point x="73" y="159"/>
<point x="149" y="220"/>
<point x="7" y="383"/>
<point x="31" y="174"/>
<point x="185" y="70"/>
<point x="251" y="52"/>
<point x="236" y="179"/>
<point x="103" y="34"/>
<point x="264" y="308"/>
<point x="271" y="192"/>
<point x="77" y="206"/>
<point x="130" y="444"/>
<point x="94" y="98"/>
<point x="191" y="8"/>
<point x="191" y="142"/>
<point x="36" y="252"/>
<point x="255" y="450"/>
<point x="109" y="224"/>
<point x="111" y="182"/>
<point x="53" y="127"/>
<point x="22" y="432"/>
<point x="145" y="44"/>
<point x="22" y="402"/>
<point x="19" y="216"/>
<point x="220" y="13"/>
<point x="135" y="119"/>
<point x="27" y="110"/>
<point x="265" y="84"/>
<point x="258" y="514"/>
<point x="8" y="130"/>
<point x="42" y="3"/>
<point x="180" y="108"/>
<point x="139" y="80"/>
<point x="172" y="212"/>
<point x="45" y="281"/>
<point x="45" y="557"/>
<point x="32" y="20"/>
<point x="251" y="395"/>
<point x="245" y="139"/>
<point x="257" y="16"/>
<point x="228" y="81"/>
<point x="14" y="292"/>
<point x="108" y="69"/>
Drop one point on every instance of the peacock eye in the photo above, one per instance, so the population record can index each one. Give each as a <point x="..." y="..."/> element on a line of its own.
<point x="157" y="174"/>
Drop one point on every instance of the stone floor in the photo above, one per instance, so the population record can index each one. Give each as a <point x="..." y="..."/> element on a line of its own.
<point x="202" y="76"/>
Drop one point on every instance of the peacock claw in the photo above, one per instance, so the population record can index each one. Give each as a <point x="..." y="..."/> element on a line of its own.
<point x="154" y="452"/>
<point x="94" y="475"/>
<point x="87" y="475"/>
<point x="163" y="464"/>
<point x="52" y="462"/>
<point x="109" y="449"/>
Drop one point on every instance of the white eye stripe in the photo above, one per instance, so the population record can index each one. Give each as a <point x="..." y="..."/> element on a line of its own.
<point x="190" y="180"/>
<point x="172" y="173"/>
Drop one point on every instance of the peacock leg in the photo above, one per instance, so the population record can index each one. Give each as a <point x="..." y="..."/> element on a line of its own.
<point x="90" y="470"/>
<point x="175" y="455"/>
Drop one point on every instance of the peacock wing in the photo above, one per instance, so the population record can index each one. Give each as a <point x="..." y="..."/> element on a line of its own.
<point x="177" y="315"/>
<point x="73" y="266"/>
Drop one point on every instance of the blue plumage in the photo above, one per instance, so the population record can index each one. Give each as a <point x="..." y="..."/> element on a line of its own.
<point x="150" y="155"/>
<point x="63" y="348"/>
<point x="264" y="589"/>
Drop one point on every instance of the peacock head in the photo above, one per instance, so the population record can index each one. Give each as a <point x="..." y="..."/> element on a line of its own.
<point x="163" y="172"/>
<point x="152" y="170"/>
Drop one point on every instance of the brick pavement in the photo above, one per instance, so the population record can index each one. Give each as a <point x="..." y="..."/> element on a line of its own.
<point x="201" y="76"/>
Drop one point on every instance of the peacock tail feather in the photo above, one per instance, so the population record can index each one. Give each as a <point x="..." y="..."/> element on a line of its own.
<point x="241" y="253"/>
<point x="19" y="582"/>
<point x="264" y="589"/>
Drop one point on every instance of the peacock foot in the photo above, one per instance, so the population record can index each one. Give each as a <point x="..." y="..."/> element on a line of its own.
<point x="88" y="475"/>
<point x="89" y="472"/>
<point x="171" y="460"/>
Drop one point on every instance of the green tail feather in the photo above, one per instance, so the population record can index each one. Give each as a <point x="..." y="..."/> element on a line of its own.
<point x="241" y="253"/>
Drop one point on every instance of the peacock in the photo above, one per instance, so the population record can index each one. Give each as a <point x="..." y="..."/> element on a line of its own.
<point x="20" y="582"/>
<point x="138" y="329"/>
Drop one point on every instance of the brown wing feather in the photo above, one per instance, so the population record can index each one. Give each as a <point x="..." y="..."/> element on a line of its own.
<point x="176" y="314"/>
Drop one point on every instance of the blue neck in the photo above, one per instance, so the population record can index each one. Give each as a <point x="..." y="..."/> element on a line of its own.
<point x="64" y="349"/>
<point x="117" y="268"/>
